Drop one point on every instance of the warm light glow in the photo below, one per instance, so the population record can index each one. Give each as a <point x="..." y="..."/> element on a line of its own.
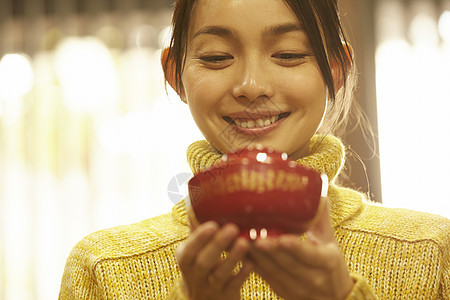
<point x="130" y="134"/>
<point x="263" y="233"/>
<point x="89" y="140"/>
<point x="87" y="74"/>
<point x="444" y="26"/>
<point x="164" y="37"/>
<point x="412" y="106"/>
<point x="261" y="157"/>
<point x="15" y="218"/>
<point x="423" y="30"/>
<point x="144" y="36"/>
<point x="16" y="76"/>
<point x="324" y="178"/>
<point x="139" y="75"/>
<point x="135" y="130"/>
<point x="393" y="58"/>
<point x="108" y="135"/>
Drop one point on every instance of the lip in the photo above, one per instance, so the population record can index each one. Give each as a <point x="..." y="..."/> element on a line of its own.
<point x="249" y="115"/>
<point x="256" y="131"/>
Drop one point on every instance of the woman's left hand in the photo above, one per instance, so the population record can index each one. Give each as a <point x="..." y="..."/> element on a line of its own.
<point x="310" y="269"/>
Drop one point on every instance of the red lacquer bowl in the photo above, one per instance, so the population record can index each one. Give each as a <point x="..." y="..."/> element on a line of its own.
<point x="259" y="189"/>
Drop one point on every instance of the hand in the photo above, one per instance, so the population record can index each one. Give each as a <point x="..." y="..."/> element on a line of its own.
<point x="206" y="275"/>
<point x="311" y="269"/>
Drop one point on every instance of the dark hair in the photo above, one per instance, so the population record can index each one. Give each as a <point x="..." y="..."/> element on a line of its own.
<point x="320" y="19"/>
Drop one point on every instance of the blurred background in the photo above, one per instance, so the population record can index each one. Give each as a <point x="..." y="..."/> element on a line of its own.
<point x="90" y="139"/>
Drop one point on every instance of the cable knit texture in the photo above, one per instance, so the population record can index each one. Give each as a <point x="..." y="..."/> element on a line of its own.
<point x="391" y="253"/>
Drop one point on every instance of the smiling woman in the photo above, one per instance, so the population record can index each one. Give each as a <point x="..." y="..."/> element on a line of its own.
<point x="274" y="73"/>
<point x="335" y="49"/>
<point x="257" y="59"/>
<point x="255" y="69"/>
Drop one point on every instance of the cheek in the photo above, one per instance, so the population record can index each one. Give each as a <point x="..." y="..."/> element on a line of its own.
<point x="203" y="94"/>
<point x="201" y="88"/>
<point x="308" y="88"/>
<point x="191" y="84"/>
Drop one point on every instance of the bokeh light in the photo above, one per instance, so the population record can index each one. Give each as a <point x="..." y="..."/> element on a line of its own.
<point x="87" y="74"/>
<point x="412" y="75"/>
<point x="423" y="30"/>
<point x="444" y="26"/>
<point x="129" y="134"/>
<point x="16" y="75"/>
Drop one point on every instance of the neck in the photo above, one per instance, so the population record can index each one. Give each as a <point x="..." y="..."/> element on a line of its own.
<point x="300" y="153"/>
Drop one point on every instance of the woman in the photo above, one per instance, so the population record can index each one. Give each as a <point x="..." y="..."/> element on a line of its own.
<point x="276" y="73"/>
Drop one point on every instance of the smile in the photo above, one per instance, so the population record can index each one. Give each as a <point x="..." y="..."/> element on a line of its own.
<point x="255" y="122"/>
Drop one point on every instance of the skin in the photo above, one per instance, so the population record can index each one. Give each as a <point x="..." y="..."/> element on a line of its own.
<point x="311" y="269"/>
<point x="251" y="56"/>
<point x="251" y="69"/>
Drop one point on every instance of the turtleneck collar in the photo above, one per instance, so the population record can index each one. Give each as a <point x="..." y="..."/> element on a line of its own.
<point x="326" y="156"/>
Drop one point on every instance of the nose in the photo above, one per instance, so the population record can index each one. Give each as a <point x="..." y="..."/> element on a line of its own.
<point x="252" y="82"/>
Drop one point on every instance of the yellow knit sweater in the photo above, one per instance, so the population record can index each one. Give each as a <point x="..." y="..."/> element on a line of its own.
<point x="391" y="253"/>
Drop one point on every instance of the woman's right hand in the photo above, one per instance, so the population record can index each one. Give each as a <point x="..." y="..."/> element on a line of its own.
<point x="206" y="275"/>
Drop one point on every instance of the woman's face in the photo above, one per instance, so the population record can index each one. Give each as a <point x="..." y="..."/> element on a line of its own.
<point x="251" y="77"/>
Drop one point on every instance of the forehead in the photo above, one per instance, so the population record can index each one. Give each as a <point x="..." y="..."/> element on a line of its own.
<point x="244" y="14"/>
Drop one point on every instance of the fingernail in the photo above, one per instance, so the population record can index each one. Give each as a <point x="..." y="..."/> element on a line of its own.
<point x="263" y="244"/>
<point x="211" y="224"/>
<point x="230" y="230"/>
<point x="210" y="227"/>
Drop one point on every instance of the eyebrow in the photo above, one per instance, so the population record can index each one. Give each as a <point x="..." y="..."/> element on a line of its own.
<point x="215" y="30"/>
<point x="282" y="29"/>
<point x="223" y="31"/>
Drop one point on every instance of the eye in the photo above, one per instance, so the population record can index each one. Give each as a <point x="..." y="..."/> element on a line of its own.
<point x="215" y="58"/>
<point x="290" y="59"/>
<point x="290" y="56"/>
<point x="216" y="61"/>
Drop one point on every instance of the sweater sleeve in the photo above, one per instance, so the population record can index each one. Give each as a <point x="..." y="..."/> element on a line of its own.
<point x="361" y="289"/>
<point x="444" y="292"/>
<point x="177" y="292"/>
<point x="78" y="281"/>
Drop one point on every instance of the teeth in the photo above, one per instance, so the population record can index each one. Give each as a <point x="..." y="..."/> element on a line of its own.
<point x="256" y="123"/>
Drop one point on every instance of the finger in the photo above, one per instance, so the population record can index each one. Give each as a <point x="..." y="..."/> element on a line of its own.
<point x="286" y="275"/>
<point x="289" y="249"/>
<point x="284" y="254"/>
<point x="238" y="279"/>
<point x="324" y="261"/>
<point x="186" y="253"/>
<point x="321" y="231"/>
<point x="208" y="258"/>
<point x="270" y="271"/>
<point x="237" y="253"/>
<point x="310" y="253"/>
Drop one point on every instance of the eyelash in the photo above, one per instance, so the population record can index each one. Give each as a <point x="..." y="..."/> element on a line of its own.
<point x="215" y="59"/>
<point x="290" y="59"/>
<point x="290" y="56"/>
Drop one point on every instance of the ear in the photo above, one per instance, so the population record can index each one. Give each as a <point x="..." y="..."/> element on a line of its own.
<point x="168" y="66"/>
<point x="336" y="69"/>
